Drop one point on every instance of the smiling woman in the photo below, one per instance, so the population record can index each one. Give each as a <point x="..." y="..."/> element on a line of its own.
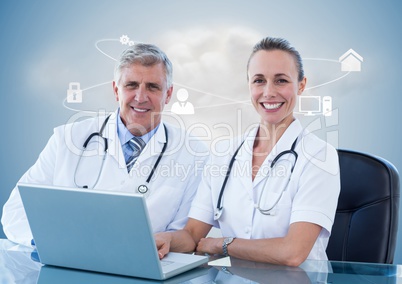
<point x="274" y="86"/>
<point x="282" y="215"/>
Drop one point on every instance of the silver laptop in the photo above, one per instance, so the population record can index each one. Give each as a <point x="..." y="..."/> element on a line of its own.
<point x="99" y="231"/>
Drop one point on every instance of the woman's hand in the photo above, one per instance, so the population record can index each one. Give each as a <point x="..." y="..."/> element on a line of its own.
<point x="210" y="245"/>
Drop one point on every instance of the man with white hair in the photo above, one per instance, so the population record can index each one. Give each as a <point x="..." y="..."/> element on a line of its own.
<point x="122" y="150"/>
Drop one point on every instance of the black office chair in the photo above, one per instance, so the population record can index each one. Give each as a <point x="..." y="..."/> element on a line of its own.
<point x="366" y="221"/>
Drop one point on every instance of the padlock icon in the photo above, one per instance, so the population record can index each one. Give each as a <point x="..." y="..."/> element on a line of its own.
<point x="74" y="93"/>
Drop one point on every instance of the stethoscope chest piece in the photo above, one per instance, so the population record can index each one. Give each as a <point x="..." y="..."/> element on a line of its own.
<point x="218" y="214"/>
<point x="143" y="189"/>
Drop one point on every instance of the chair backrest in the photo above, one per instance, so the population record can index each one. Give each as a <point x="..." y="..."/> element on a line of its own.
<point x="366" y="221"/>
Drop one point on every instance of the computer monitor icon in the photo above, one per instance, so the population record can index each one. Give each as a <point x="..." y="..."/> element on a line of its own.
<point x="310" y="105"/>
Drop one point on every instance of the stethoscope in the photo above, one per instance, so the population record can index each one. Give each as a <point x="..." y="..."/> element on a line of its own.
<point x="143" y="188"/>
<point x="219" y="207"/>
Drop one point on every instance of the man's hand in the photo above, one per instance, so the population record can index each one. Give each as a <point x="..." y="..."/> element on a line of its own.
<point x="182" y="240"/>
<point x="162" y="241"/>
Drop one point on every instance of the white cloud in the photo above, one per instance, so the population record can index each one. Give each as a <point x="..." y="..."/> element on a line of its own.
<point x="212" y="63"/>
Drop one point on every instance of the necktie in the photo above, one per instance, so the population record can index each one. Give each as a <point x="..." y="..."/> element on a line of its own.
<point x="136" y="144"/>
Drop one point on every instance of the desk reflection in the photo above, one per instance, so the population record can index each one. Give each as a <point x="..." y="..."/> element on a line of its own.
<point x="16" y="266"/>
<point x="51" y="274"/>
<point x="242" y="271"/>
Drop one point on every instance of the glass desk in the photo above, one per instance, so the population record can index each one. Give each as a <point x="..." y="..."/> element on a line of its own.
<point x="16" y="266"/>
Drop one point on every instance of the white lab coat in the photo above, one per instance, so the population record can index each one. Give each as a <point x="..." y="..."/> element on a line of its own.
<point x="311" y="195"/>
<point x="171" y="189"/>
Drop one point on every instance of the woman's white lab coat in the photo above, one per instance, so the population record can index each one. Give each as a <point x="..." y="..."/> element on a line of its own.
<point x="311" y="195"/>
<point x="171" y="189"/>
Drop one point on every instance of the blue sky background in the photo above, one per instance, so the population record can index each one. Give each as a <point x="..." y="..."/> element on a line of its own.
<point x="47" y="44"/>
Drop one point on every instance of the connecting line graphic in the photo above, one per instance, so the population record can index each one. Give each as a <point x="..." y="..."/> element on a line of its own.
<point x="230" y="101"/>
<point x="86" y="89"/>
<point x="225" y="104"/>
<point x="329" y="82"/>
<point x="98" y="85"/>
<point x="101" y="51"/>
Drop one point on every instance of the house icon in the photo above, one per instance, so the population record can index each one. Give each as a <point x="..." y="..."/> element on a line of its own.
<point x="351" y="61"/>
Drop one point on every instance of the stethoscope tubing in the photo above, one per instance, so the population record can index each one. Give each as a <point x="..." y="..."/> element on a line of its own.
<point x="219" y="205"/>
<point x="142" y="188"/>
<point x="160" y="156"/>
<point x="232" y="160"/>
<point x="84" y="147"/>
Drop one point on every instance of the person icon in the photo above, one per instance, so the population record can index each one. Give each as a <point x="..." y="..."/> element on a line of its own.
<point x="182" y="106"/>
